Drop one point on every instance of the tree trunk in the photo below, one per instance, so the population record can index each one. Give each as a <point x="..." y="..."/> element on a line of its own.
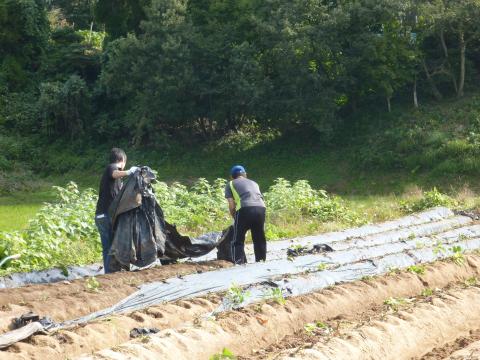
<point x="91" y="33"/>
<point x="445" y="54"/>
<point x="436" y="93"/>
<point x="463" y="49"/>
<point x="415" y="95"/>
<point x="444" y="44"/>
<point x="389" y="104"/>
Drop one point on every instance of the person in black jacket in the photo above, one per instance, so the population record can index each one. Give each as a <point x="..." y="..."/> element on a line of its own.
<point x="246" y="205"/>
<point x="110" y="185"/>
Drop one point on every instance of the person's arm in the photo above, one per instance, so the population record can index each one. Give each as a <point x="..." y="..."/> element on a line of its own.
<point x="117" y="174"/>
<point x="231" y="206"/>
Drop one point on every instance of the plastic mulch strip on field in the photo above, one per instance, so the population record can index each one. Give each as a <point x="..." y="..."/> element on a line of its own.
<point x="303" y="274"/>
<point x="402" y="227"/>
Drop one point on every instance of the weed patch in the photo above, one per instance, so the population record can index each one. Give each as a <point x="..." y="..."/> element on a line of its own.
<point x="430" y="199"/>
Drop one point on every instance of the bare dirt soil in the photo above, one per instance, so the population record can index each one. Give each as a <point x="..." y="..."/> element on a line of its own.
<point x="67" y="300"/>
<point x="429" y="314"/>
<point x="471" y="352"/>
<point x="453" y="350"/>
<point x="350" y="311"/>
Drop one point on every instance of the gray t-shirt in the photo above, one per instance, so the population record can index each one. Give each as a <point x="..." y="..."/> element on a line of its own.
<point x="248" y="190"/>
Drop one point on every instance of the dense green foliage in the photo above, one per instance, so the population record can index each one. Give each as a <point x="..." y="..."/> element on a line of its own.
<point x="441" y="139"/>
<point x="60" y="234"/>
<point x="145" y="72"/>
<point x="63" y="233"/>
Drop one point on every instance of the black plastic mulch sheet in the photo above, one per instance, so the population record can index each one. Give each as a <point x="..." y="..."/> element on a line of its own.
<point x="141" y="234"/>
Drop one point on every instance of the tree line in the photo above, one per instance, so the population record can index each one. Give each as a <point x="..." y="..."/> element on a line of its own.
<point x="145" y="70"/>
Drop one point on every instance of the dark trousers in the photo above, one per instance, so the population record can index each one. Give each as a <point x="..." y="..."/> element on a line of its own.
<point x="104" y="226"/>
<point x="249" y="218"/>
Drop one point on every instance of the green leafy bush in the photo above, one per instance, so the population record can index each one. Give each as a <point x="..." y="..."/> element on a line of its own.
<point x="200" y="208"/>
<point x="300" y="199"/>
<point x="429" y="199"/>
<point x="64" y="233"/>
<point x="61" y="234"/>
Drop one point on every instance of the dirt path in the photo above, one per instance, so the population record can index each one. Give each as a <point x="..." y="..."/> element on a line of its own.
<point x="271" y="322"/>
<point x="68" y="300"/>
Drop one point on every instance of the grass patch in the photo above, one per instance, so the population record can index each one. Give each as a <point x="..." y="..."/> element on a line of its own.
<point x="15" y="217"/>
<point x="17" y="209"/>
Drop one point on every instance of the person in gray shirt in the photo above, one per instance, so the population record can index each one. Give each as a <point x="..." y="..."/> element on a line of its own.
<point x="246" y="205"/>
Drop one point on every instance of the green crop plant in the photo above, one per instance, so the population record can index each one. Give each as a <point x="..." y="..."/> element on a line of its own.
<point x="297" y="247"/>
<point x="60" y="234"/>
<point x="226" y="354"/>
<point x="92" y="284"/>
<point x="439" y="248"/>
<point x="471" y="281"/>
<point x="457" y="256"/>
<point x="275" y="294"/>
<point x="427" y="292"/>
<point x="416" y="269"/>
<point x="311" y="328"/>
<point x="322" y="267"/>
<point x="236" y="295"/>
<point x="144" y="339"/>
<point x="429" y="199"/>
<point x="393" y="270"/>
<point x="462" y="237"/>
<point x="395" y="303"/>
<point x="419" y="245"/>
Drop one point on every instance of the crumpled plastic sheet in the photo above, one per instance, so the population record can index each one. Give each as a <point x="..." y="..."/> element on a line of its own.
<point x="428" y="221"/>
<point x="77" y="272"/>
<point x="276" y="251"/>
<point x="50" y="276"/>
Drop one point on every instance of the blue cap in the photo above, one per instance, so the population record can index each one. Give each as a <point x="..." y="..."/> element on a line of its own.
<point x="237" y="169"/>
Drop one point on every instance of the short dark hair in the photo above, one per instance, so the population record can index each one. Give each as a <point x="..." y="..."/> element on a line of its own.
<point x="117" y="155"/>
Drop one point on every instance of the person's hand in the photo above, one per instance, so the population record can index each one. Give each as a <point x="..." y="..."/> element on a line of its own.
<point x="132" y="170"/>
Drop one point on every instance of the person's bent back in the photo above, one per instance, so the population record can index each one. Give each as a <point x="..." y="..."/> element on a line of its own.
<point x="247" y="207"/>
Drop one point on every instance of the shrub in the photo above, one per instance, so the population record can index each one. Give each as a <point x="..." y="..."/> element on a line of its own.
<point x="429" y="199"/>
<point x="198" y="209"/>
<point x="301" y="200"/>
<point x="64" y="233"/>
<point x="61" y="234"/>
